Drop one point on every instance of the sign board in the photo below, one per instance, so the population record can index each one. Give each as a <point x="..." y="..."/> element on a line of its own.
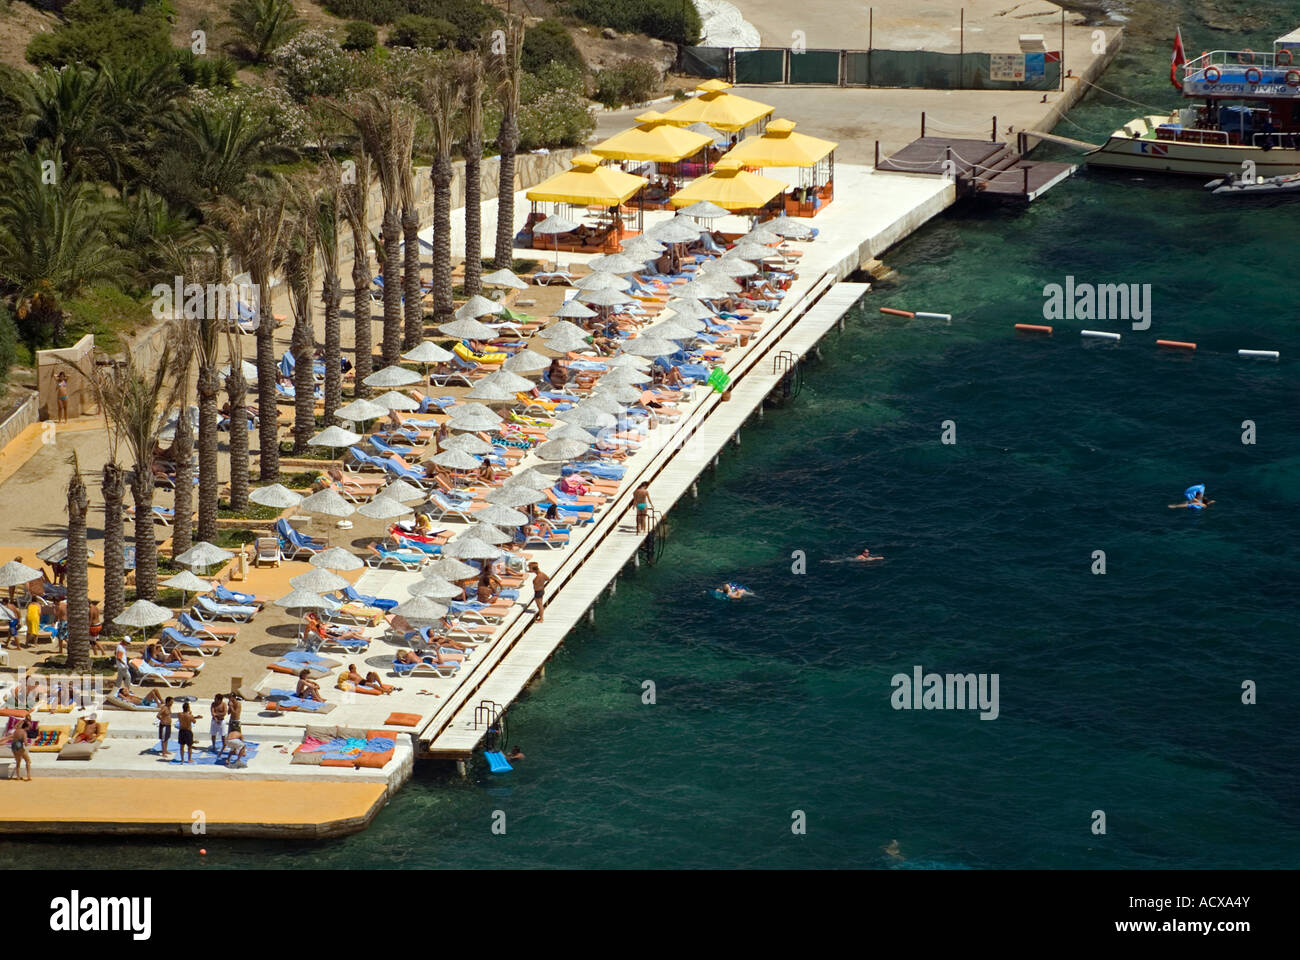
<point x="1008" y="67"/>
<point x="1035" y="66"/>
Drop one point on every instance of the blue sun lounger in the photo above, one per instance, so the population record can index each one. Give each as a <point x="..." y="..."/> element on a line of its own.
<point x="206" y="609"/>
<point x="380" y="602"/>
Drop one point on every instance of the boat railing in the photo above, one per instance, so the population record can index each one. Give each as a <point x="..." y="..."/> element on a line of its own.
<point x="1240" y="59"/>
<point x="1191" y="135"/>
<point x="1288" y="141"/>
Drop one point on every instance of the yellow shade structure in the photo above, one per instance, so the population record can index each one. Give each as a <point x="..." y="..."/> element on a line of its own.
<point x="652" y="139"/>
<point x="718" y="108"/>
<point x="730" y="187"/>
<point x="780" y="146"/>
<point x="588" y="183"/>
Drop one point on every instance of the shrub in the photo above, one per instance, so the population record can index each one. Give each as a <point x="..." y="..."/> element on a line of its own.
<point x="631" y="82"/>
<point x="100" y="33"/>
<point x="553" y="110"/>
<point x="670" y="20"/>
<point x="359" y="35"/>
<point x="470" y="19"/>
<point x="426" y="32"/>
<point x="549" y="42"/>
<point x="8" y="344"/>
<point x="209" y="70"/>
<point x="312" y="64"/>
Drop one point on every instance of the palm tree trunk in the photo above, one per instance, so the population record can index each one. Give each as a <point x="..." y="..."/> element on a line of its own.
<point x="114" y="490"/>
<point x="332" y="294"/>
<point x="363" y="345"/>
<point x="146" y="546"/>
<point x="208" y="480"/>
<point x="392" y="348"/>
<point x="507" y="142"/>
<point x="441" y="176"/>
<point x="473" y="216"/>
<point x="268" y="434"/>
<point x="304" y="381"/>
<point x="78" y="577"/>
<point x="237" y="394"/>
<point x="411" y="280"/>
<point x="183" y="448"/>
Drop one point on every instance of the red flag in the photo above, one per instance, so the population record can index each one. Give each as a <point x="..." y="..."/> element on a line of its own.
<point x="1177" y="60"/>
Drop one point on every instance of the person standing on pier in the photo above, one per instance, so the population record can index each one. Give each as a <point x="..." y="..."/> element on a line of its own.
<point x="641" y="501"/>
<point x="540" y="580"/>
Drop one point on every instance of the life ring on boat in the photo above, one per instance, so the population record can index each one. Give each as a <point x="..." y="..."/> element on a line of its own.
<point x="1246" y="56"/>
<point x="1212" y="74"/>
<point x="1259" y="77"/>
<point x="1280" y="61"/>
<point x="1293" y="78"/>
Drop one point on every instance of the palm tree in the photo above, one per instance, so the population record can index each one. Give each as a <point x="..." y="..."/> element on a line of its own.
<point x="140" y="407"/>
<point x="255" y="229"/>
<point x="328" y="215"/>
<point x="237" y="396"/>
<point x="70" y="109"/>
<point x="297" y="267"/>
<point x="201" y="256"/>
<point x="509" y="77"/>
<point x="386" y="126"/>
<point x="107" y="382"/>
<point x="356" y="209"/>
<point x="78" y="577"/>
<point x="225" y="146"/>
<point x="183" y="457"/>
<point x="440" y="96"/>
<point x="471" y="82"/>
<point x="263" y="25"/>
<point x="411" y="293"/>
<point x="55" y="240"/>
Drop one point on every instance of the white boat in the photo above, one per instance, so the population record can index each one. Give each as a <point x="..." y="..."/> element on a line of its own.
<point x="1248" y="122"/>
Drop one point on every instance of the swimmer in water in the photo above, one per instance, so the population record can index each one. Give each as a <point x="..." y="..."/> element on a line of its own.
<point x="1197" y="502"/>
<point x="734" y="591"/>
<point x="866" y="557"/>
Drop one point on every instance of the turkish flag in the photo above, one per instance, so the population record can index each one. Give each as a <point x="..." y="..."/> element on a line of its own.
<point x="1177" y="60"/>
<point x="1053" y="56"/>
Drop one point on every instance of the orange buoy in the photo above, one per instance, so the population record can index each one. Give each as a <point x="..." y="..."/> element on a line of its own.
<point x="1034" y="327"/>
<point x="1180" y="344"/>
<point x="897" y="313"/>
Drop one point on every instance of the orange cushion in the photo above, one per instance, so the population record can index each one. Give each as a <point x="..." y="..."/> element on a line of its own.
<point x="402" y="720"/>
<point x="366" y="759"/>
<point x="338" y="763"/>
<point x="24" y="714"/>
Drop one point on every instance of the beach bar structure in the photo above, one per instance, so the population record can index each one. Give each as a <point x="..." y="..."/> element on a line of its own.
<point x="660" y="149"/>
<point x="734" y="188"/>
<point x="598" y="190"/>
<point x="780" y="145"/>
<point x="728" y="112"/>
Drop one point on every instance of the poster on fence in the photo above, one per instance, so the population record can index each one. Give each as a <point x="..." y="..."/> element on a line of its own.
<point x="1008" y="67"/>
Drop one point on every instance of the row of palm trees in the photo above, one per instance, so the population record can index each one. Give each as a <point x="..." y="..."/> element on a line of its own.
<point x="291" y="226"/>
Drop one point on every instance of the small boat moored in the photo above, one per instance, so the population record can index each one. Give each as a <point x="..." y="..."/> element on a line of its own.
<point x="1231" y="185"/>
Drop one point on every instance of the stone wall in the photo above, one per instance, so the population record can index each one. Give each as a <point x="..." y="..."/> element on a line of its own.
<point x="18" y="421"/>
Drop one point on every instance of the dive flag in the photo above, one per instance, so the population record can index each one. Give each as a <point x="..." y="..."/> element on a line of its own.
<point x="1177" y="59"/>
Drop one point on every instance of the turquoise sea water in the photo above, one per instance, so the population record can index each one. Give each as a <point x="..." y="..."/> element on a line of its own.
<point x="1119" y="693"/>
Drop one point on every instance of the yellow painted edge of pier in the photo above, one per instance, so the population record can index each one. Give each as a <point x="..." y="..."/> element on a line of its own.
<point x="270" y="806"/>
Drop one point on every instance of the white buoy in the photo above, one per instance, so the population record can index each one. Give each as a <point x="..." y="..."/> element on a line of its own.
<point x="933" y="316"/>
<point x="1099" y="334"/>
<point x="1271" y="354"/>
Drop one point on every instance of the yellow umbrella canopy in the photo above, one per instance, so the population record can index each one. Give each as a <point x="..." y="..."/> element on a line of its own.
<point x="730" y="187"/>
<point x="654" y="138"/>
<point x="780" y="146"/>
<point x="718" y="108"/>
<point x="588" y="183"/>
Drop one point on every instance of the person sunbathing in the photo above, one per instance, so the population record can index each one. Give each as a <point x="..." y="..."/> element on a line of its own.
<point x="151" y="699"/>
<point x="331" y="632"/>
<point x="307" y="688"/>
<point x="432" y="656"/>
<point x="373" y="682"/>
<point x="90" y="731"/>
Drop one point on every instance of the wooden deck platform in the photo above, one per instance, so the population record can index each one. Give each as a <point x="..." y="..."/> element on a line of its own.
<point x="108" y="806"/>
<point x="981" y="167"/>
